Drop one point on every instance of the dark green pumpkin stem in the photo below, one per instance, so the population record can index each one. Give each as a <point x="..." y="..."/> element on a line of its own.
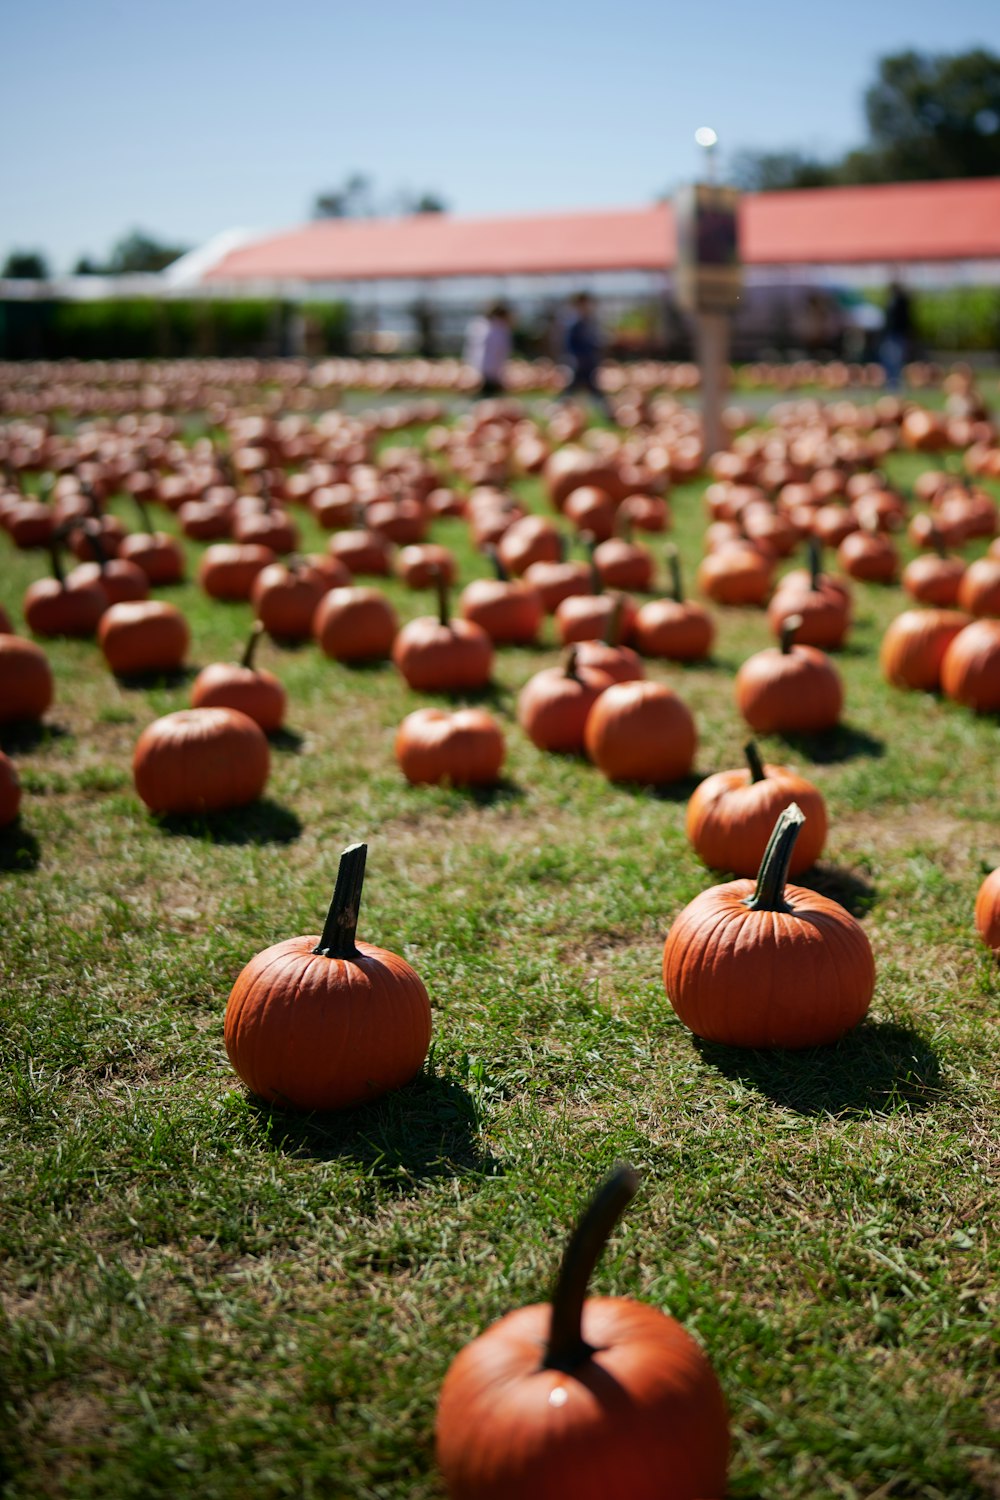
<point x="757" y="772"/>
<point x="249" y="651"/>
<point x="146" y="518"/>
<point x="674" y="564"/>
<point x="769" y="894"/>
<point x="92" y="529"/>
<point x="937" y="542"/>
<point x="815" y="547"/>
<point x="501" y="572"/>
<point x="441" y="585"/>
<point x="340" y="931"/>
<point x="788" y="629"/>
<point x="56" y="560"/>
<point x="571" y="664"/>
<point x="566" y="1348"/>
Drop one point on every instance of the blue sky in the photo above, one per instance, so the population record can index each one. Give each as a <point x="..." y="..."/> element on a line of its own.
<point x="187" y="119"/>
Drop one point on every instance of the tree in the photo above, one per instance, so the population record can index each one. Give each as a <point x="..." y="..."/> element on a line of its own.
<point x="138" y="251"/>
<point x="770" y="171"/>
<point x="355" y="198"/>
<point x="26" y="265"/>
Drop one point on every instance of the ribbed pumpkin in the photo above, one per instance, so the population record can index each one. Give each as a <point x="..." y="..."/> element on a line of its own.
<point x="675" y="628"/>
<point x="556" y="581"/>
<point x="143" y="636"/>
<point x="979" y="591"/>
<point x="553" y="705"/>
<point x="465" y="748"/>
<point x="737" y="573"/>
<point x="10" y="791"/>
<point x="355" y="624"/>
<point x="243" y="686"/>
<point x="285" y="596"/>
<point x="511" y="611"/>
<point x="825" y="608"/>
<point x="934" y="578"/>
<point x="868" y="556"/>
<point x="789" y="689"/>
<point x="641" y="731"/>
<point x="595" y="617"/>
<point x="26" y="685"/>
<point x="228" y="570"/>
<point x="771" y="964"/>
<point x="326" y="1022"/>
<point x="54" y="606"/>
<point x="159" y="555"/>
<point x="200" y="760"/>
<point x="988" y="911"/>
<point x="914" y="645"/>
<point x="970" y="670"/>
<point x="419" y="565"/>
<point x="599" y="1398"/>
<point x="621" y="663"/>
<point x="363" y="552"/>
<point x="731" y="815"/>
<point x="123" y="582"/>
<point x="441" y="655"/>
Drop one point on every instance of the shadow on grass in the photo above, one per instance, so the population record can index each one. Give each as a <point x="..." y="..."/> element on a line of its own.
<point x="286" y="739"/>
<point x="19" y="849"/>
<point x="877" y="1069"/>
<point x="141" y="682"/>
<point x="856" y="894"/>
<point x="428" y="1129"/>
<point x="666" y="791"/>
<point x="843" y="743"/>
<point x="29" y="734"/>
<point x="261" y="822"/>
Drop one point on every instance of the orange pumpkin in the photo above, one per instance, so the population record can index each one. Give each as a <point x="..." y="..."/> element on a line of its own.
<point x="143" y="636"/>
<point x="970" y="670"/>
<point x="465" y="748"/>
<point x="771" y="964"/>
<point x="326" y="1022"/>
<point x="200" y="760"/>
<point x="738" y="573"/>
<point x="228" y="570"/>
<point x="592" y="1398"/>
<point x="441" y="655"/>
<point x="511" y="611"/>
<point x="789" y="689"/>
<point x="825" y="607"/>
<point x="243" y="686"/>
<point x="641" y="731"/>
<point x="988" y="911"/>
<point x="355" y="624"/>
<point x="553" y="705"/>
<point x="914" y="645"/>
<point x="979" y="591"/>
<point x="26" y="685"/>
<point x="731" y="815"/>
<point x="10" y="791"/>
<point x="285" y="596"/>
<point x="55" y="606"/>
<point x="674" y="628"/>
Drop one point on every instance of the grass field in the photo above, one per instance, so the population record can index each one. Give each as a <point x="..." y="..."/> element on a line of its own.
<point x="205" y="1297"/>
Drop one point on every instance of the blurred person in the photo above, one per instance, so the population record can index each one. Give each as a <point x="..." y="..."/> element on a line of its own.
<point x="897" y="331"/>
<point x="582" y="351"/>
<point x="488" y="343"/>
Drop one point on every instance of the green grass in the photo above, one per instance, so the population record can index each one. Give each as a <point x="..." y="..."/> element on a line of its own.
<point x="202" y="1296"/>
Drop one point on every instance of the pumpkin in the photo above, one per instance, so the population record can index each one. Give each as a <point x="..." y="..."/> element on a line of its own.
<point x="416" y="565"/>
<point x="10" y="791"/>
<point x="768" y="964"/>
<point x="825" y="608"/>
<point x="556" y="581"/>
<point x="326" y="1022"/>
<point x="730" y="816"/>
<point x="160" y="556"/>
<point x="122" y="581"/>
<point x="143" y="636"/>
<point x="641" y="731"/>
<point x="623" y="564"/>
<point x="591" y="509"/>
<point x="441" y="655"/>
<point x="934" y="579"/>
<point x="55" y="606"/>
<point x="914" y="645"/>
<point x="243" y="686"/>
<point x="30" y="523"/>
<point x="465" y="748"/>
<point x="228" y="570"/>
<point x="200" y="760"/>
<point x="674" y="628"/>
<point x="592" y="617"/>
<point x="511" y="611"/>
<point x="355" y="624"/>
<point x="553" y="705"/>
<point x="532" y="539"/>
<point x="979" y="591"/>
<point x="570" y="467"/>
<point x="869" y="556"/>
<point x="285" y="597"/>
<point x="361" y="552"/>
<point x="988" y="911"/>
<point x="26" y="685"/>
<point x="620" y="663"/>
<point x="789" y="689"/>
<point x="970" y="669"/>
<point x="593" y="1398"/>
<point x="736" y="574"/>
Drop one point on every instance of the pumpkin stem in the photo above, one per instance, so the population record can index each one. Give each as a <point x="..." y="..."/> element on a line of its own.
<point x="342" y="919"/>
<point x="501" y="572"/>
<point x="249" y="651"/>
<point x="787" y="636"/>
<point x="144" y="515"/>
<point x="571" y="664"/>
<point x="442" y="594"/>
<point x="757" y="772"/>
<point x="57" y="567"/>
<point x="769" y="894"/>
<point x="674" y="564"/>
<point x="937" y="542"/>
<point x="566" y="1348"/>
<point x="91" y="529"/>
<point x="613" y="628"/>
<point x="815" y="547"/>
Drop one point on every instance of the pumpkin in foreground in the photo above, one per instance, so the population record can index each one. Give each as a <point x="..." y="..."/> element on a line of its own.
<point x="584" y="1397"/>
<point x="326" y="1022"/>
<point x="200" y="760"/>
<point x="771" y="964"/>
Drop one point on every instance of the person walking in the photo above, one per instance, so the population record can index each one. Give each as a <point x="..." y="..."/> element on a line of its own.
<point x="894" y="350"/>
<point x="488" y="342"/>
<point x="582" y="351"/>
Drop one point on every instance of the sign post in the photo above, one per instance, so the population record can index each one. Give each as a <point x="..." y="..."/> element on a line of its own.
<point x="709" y="282"/>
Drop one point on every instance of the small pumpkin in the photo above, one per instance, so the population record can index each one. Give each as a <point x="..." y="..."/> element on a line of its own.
<point x="417" y="566"/>
<point x="934" y="578"/>
<point x="987" y="913"/>
<point x="326" y="1022"/>
<point x="441" y="655"/>
<point x="737" y="573"/>
<point x="970" y="669"/>
<point x="789" y="689"/>
<point x="641" y="731"/>
<point x="228" y="570"/>
<point x="730" y="816"/>
<point x="200" y="760"/>
<point x="511" y="611"/>
<point x="592" y="1398"/>
<point x="56" y="606"/>
<point x="914" y="645"/>
<point x="553" y="705"/>
<point x="10" y="791"/>
<point x="143" y="636"/>
<point x="355" y="624"/>
<point x="825" y="608"/>
<point x="979" y="591"/>
<point x="159" y="555"/>
<point x="26" y="683"/>
<point x="244" y="686"/>
<point x="361" y="552"/>
<point x="465" y="748"/>
<point x="768" y="964"/>
<point x="556" y="581"/>
<point x="674" y="628"/>
<point x="285" y="596"/>
<point x="868" y="555"/>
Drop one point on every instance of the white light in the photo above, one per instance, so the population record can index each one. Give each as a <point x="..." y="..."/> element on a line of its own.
<point x="706" y="136"/>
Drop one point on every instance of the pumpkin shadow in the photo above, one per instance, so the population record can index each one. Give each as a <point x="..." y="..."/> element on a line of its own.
<point x="853" y="892"/>
<point x="664" y="791"/>
<point x="429" y="1128"/>
<point x="140" y="682"/>
<point x="286" y="739"/>
<point x="28" y="734"/>
<point x="845" y="742"/>
<point x="879" y="1068"/>
<point x="260" y="822"/>
<point x="19" y="849"/>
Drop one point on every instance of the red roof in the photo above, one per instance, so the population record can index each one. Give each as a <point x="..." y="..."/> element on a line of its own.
<point x="897" y="222"/>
